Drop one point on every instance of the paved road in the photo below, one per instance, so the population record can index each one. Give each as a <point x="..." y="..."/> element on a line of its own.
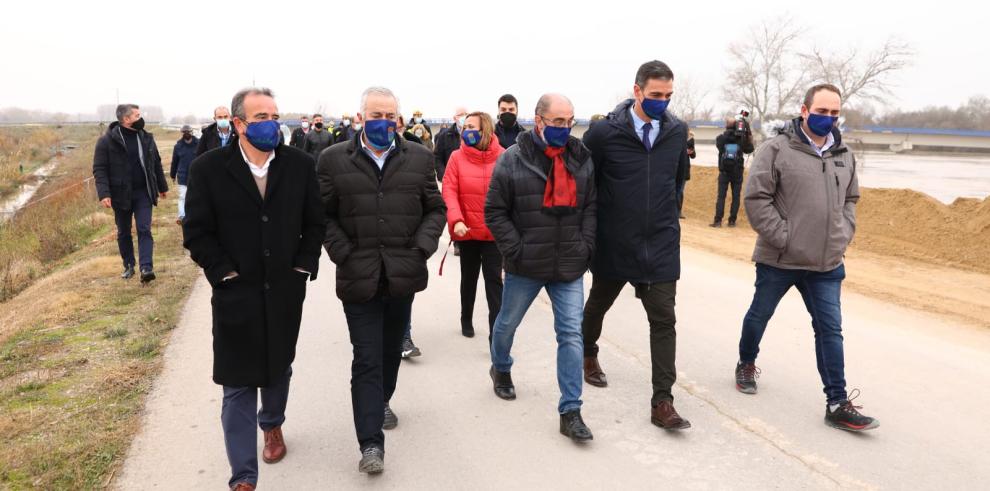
<point x="923" y="377"/>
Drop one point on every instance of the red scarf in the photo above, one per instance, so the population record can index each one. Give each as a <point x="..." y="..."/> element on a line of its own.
<point x="561" y="190"/>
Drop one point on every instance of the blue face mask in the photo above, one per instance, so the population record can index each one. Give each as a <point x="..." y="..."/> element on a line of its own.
<point x="263" y="135"/>
<point x="654" y="108"/>
<point x="380" y="133"/>
<point x="556" y="137"/>
<point x="471" y="137"/>
<point x="223" y="124"/>
<point x="821" y="124"/>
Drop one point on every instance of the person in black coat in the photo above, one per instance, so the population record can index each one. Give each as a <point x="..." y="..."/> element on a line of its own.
<point x="299" y="134"/>
<point x="127" y="169"/>
<point x="318" y="139"/>
<point x="217" y="134"/>
<point x="384" y="219"/>
<point x="732" y="150"/>
<point x="540" y="208"/>
<point x="182" y="155"/>
<point x="448" y="140"/>
<point x="508" y="129"/>
<point x="254" y="223"/>
<point x="640" y="154"/>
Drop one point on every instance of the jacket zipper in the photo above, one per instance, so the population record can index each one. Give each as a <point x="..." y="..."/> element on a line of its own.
<point x="828" y="210"/>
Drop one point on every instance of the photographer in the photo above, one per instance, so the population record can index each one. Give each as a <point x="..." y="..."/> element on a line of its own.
<point x="732" y="144"/>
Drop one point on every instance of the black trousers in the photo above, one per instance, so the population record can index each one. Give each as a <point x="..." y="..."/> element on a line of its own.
<point x="376" y="328"/>
<point x="724" y="180"/>
<point x="658" y="301"/>
<point x="480" y="256"/>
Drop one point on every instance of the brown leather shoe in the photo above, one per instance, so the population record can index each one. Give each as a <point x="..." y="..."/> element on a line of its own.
<point x="593" y="373"/>
<point x="665" y="416"/>
<point x="243" y="486"/>
<point x="274" y="446"/>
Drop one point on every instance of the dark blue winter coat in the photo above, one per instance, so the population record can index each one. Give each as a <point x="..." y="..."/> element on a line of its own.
<point x="639" y="233"/>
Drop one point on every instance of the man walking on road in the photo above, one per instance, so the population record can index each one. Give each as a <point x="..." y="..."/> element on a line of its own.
<point x="640" y="155"/>
<point x="801" y="200"/>
<point x="254" y="223"/>
<point x="217" y="134"/>
<point x="129" y="178"/>
<point x="540" y="209"/>
<point x="384" y="219"/>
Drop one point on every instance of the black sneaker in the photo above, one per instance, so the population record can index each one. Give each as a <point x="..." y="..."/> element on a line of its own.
<point x="147" y="276"/>
<point x="573" y="427"/>
<point x="746" y="375"/>
<point x="128" y="272"/>
<point x="372" y="461"/>
<point x="391" y="420"/>
<point x="847" y="416"/>
<point x="715" y="225"/>
<point x="409" y="349"/>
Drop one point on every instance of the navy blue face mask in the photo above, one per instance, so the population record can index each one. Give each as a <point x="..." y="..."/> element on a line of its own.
<point x="380" y="133"/>
<point x="471" y="137"/>
<point x="821" y="124"/>
<point x="654" y="108"/>
<point x="263" y="135"/>
<point x="556" y="137"/>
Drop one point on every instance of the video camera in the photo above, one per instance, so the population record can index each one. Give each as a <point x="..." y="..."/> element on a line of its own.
<point x="741" y="128"/>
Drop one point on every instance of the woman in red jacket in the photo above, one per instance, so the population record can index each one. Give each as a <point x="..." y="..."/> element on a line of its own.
<point x="465" y="185"/>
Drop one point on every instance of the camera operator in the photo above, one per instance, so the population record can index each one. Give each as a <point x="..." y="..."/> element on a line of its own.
<point x="732" y="144"/>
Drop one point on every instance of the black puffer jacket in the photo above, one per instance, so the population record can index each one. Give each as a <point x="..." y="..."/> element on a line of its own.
<point x="112" y="168"/>
<point x="534" y="243"/>
<point x="446" y="142"/>
<point x="639" y="235"/>
<point x="380" y="222"/>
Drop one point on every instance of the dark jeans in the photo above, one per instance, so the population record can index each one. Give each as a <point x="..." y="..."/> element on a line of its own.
<point x="239" y="417"/>
<point x="821" y="292"/>
<point x="480" y="256"/>
<point x="377" y="328"/>
<point x="658" y="301"/>
<point x="141" y="213"/>
<point x="724" y="180"/>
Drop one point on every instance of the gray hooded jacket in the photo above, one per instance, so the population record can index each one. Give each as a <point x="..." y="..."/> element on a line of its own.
<point x="802" y="205"/>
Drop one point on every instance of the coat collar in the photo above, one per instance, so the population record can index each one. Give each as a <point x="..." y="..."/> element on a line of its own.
<point x="238" y="168"/>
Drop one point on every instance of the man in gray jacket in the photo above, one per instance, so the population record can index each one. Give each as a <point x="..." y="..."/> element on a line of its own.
<point x="801" y="200"/>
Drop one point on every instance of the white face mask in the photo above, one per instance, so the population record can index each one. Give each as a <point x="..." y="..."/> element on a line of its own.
<point x="357" y="126"/>
<point x="345" y="123"/>
<point x="460" y="121"/>
<point x="305" y="125"/>
<point x="419" y="133"/>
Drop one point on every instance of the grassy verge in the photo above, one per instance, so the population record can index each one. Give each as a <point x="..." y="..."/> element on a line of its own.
<point x="79" y="348"/>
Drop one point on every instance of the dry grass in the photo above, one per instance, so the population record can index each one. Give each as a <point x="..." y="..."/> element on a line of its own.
<point x="79" y="347"/>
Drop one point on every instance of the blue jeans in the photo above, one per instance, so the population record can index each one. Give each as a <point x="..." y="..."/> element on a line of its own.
<point x="567" y="299"/>
<point x="240" y="416"/>
<point x="821" y="292"/>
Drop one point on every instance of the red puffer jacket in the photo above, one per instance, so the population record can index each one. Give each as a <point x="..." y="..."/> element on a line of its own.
<point x="465" y="185"/>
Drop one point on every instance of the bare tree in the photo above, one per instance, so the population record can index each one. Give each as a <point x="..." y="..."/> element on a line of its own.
<point x="766" y="76"/>
<point x="690" y="100"/>
<point x="862" y="77"/>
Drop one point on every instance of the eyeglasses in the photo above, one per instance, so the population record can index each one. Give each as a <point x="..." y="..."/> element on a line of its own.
<point x="559" y="122"/>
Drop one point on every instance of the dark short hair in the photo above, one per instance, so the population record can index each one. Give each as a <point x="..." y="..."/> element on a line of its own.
<point x="317" y="115"/>
<point x="124" y="110"/>
<point x="650" y="70"/>
<point x="809" y="96"/>
<point x="237" y="103"/>
<point x="508" y="99"/>
<point x="304" y="117"/>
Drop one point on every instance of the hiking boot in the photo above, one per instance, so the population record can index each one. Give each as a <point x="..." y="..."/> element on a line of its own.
<point x="372" y="461"/>
<point x="391" y="420"/>
<point x="746" y="375"/>
<point x="128" y="272"/>
<point x="572" y="426"/>
<point x="409" y="349"/>
<point x="847" y="417"/>
<point x="147" y="276"/>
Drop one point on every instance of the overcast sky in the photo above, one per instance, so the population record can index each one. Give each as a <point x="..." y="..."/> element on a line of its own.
<point x="191" y="56"/>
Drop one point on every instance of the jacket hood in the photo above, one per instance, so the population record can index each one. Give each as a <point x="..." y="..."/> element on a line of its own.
<point x="792" y="129"/>
<point x="481" y="157"/>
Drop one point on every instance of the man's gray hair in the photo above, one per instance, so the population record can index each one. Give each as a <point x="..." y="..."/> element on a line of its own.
<point x="237" y="103"/>
<point x="543" y="105"/>
<point x="378" y="91"/>
<point x="124" y="110"/>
